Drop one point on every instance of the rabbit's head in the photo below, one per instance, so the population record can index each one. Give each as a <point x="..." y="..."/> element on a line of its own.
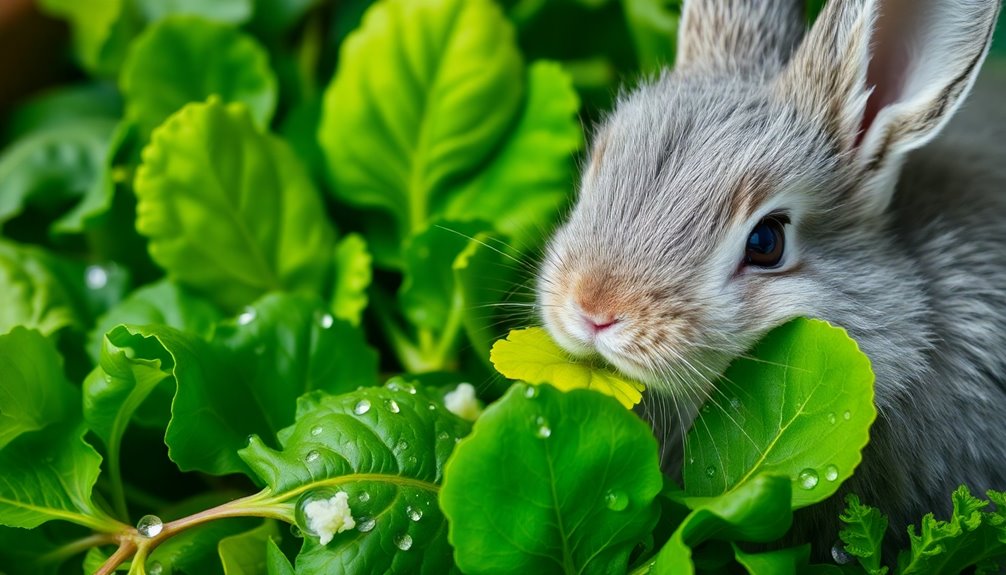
<point x="752" y="184"/>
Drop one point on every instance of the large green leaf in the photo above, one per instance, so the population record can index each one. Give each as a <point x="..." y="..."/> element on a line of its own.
<point x="386" y="448"/>
<point x="758" y="510"/>
<point x="244" y="381"/>
<point x="552" y="482"/>
<point x="185" y="59"/>
<point x="531" y="178"/>
<point x="34" y="295"/>
<point x="53" y="168"/>
<point x="800" y="404"/>
<point x="426" y="91"/>
<point x="229" y="210"/>
<point x="48" y="468"/>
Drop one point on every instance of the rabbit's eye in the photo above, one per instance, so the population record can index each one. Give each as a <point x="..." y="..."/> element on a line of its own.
<point x="766" y="243"/>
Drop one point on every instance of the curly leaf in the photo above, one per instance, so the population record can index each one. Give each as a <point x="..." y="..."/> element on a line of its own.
<point x="384" y="447"/>
<point x="425" y="93"/>
<point x="531" y="355"/>
<point x="863" y="534"/>
<point x="799" y="404"/>
<point x="229" y="210"/>
<point x="551" y="482"/>
<point x="34" y="294"/>
<point x="186" y="59"/>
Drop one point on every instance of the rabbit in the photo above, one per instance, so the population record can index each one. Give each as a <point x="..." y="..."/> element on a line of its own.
<point x="780" y="172"/>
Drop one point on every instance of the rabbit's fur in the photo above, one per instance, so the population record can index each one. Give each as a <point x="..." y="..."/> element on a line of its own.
<point x="903" y="245"/>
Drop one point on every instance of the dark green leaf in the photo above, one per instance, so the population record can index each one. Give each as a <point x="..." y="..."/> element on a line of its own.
<point x="229" y="11"/>
<point x="799" y="404"/>
<point x="552" y="482"/>
<point x="386" y="448"/>
<point x="782" y="562"/>
<point x="185" y="59"/>
<point x="863" y="534"/>
<point x="229" y="210"/>
<point x="35" y="393"/>
<point x="276" y="561"/>
<point x="62" y="106"/>
<point x="246" y="553"/>
<point x="34" y="295"/>
<point x="425" y="92"/>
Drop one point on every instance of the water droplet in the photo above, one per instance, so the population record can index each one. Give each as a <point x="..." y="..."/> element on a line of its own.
<point x="96" y="277"/>
<point x="431" y="406"/>
<point x="847" y="415"/>
<point x="543" y="430"/>
<point x="362" y="406"/>
<point x="393" y="386"/>
<point x="414" y="513"/>
<point x="108" y="378"/>
<point x="710" y="471"/>
<point x="411" y="389"/>
<point x="530" y="392"/>
<point x="402" y="446"/>
<point x="616" y="500"/>
<point x="831" y="473"/>
<point x="832" y="419"/>
<point x="443" y="436"/>
<point x="840" y="555"/>
<point x="393" y="406"/>
<point x="366" y="524"/>
<point x="296" y="532"/>
<point x="247" y="316"/>
<point x="807" y="479"/>
<point x="150" y="526"/>
<point x="326" y="321"/>
<point x="155" y="568"/>
<point x="363" y="497"/>
<point x="403" y="542"/>
<point x="312" y="456"/>
<point x="316" y="430"/>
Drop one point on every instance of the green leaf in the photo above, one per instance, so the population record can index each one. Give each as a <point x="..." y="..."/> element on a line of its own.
<point x="163" y="302"/>
<point x="227" y="11"/>
<point x="245" y="553"/>
<point x="273" y="17"/>
<point x="799" y="404"/>
<point x="53" y="168"/>
<point x="196" y="551"/>
<point x="102" y="29"/>
<point x="757" y="510"/>
<point x="863" y="534"/>
<point x="48" y="468"/>
<point x="63" y="106"/>
<point x="425" y="93"/>
<point x="352" y="278"/>
<point x="653" y="25"/>
<point x="229" y="210"/>
<point x="35" y="393"/>
<point x="531" y="355"/>
<point x="184" y="59"/>
<point x="972" y="536"/>
<point x="788" y="561"/>
<point x="386" y="448"/>
<point x="244" y="381"/>
<point x="531" y="177"/>
<point x="551" y="482"/>
<point x="34" y="295"/>
<point x="276" y="561"/>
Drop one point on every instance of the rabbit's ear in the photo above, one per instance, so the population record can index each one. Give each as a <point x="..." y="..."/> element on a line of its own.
<point x="739" y="35"/>
<point x="886" y="75"/>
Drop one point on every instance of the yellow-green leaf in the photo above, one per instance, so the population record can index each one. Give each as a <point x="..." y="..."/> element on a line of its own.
<point x="530" y="355"/>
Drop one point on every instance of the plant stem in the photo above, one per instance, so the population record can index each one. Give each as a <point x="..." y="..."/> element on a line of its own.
<point x="125" y="551"/>
<point x="64" y="552"/>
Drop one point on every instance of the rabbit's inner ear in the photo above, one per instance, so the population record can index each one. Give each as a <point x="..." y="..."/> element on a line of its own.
<point x="739" y="36"/>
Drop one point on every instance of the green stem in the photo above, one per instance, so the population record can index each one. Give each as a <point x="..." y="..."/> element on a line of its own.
<point x="64" y="552"/>
<point x="452" y="330"/>
<point x="118" y="488"/>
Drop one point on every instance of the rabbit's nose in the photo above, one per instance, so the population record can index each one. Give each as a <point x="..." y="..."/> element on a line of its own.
<point x="598" y="324"/>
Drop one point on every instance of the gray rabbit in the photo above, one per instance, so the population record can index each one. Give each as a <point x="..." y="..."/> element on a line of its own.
<point x="776" y="174"/>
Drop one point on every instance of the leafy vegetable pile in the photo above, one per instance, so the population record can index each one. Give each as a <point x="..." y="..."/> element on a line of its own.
<point x="205" y="244"/>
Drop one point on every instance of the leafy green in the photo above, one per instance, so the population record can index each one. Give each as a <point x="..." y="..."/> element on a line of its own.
<point x="102" y="30"/>
<point x="35" y="393"/>
<point x="426" y="91"/>
<point x="245" y="553"/>
<point x="781" y="562"/>
<point x="551" y="482"/>
<point x="230" y="11"/>
<point x="386" y="448"/>
<point x="352" y="278"/>
<point x="276" y="562"/>
<point x="34" y="294"/>
<point x="531" y="355"/>
<point x="187" y="59"/>
<point x="803" y="410"/>
<point x="229" y="210"/>
<point x="863" y="534"/>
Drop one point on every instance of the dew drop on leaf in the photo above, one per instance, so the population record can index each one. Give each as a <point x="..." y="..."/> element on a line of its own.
<point x="362" y="406"/>
<point x="316" y="430"/>
<point x="326" y="321"/>
<point x="312" y="456"/>
<point x="149" y="526"/>
<point x="404" y="542"/>
<point x="155" y="568"/>
<point x="96" y="277"/>
<point x="402" y="446"/>
<point x="831" y="473"/>
<point x="414" y="513"/>
<point x="616" y="500"/>
<point x="393" y="406"/>
<point x="530" y="392"/>
<point x="832" y="419"/>
<point x="807" y="479"/>
<point x="847" y="415"/>
<point x="543" y="431"/>
<point x="366" y="524"/>
<point x="363" y="497"/>
<point x="246" y="317"/>
<point x="840" y="555"/>
<point x="431" y="406"/>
